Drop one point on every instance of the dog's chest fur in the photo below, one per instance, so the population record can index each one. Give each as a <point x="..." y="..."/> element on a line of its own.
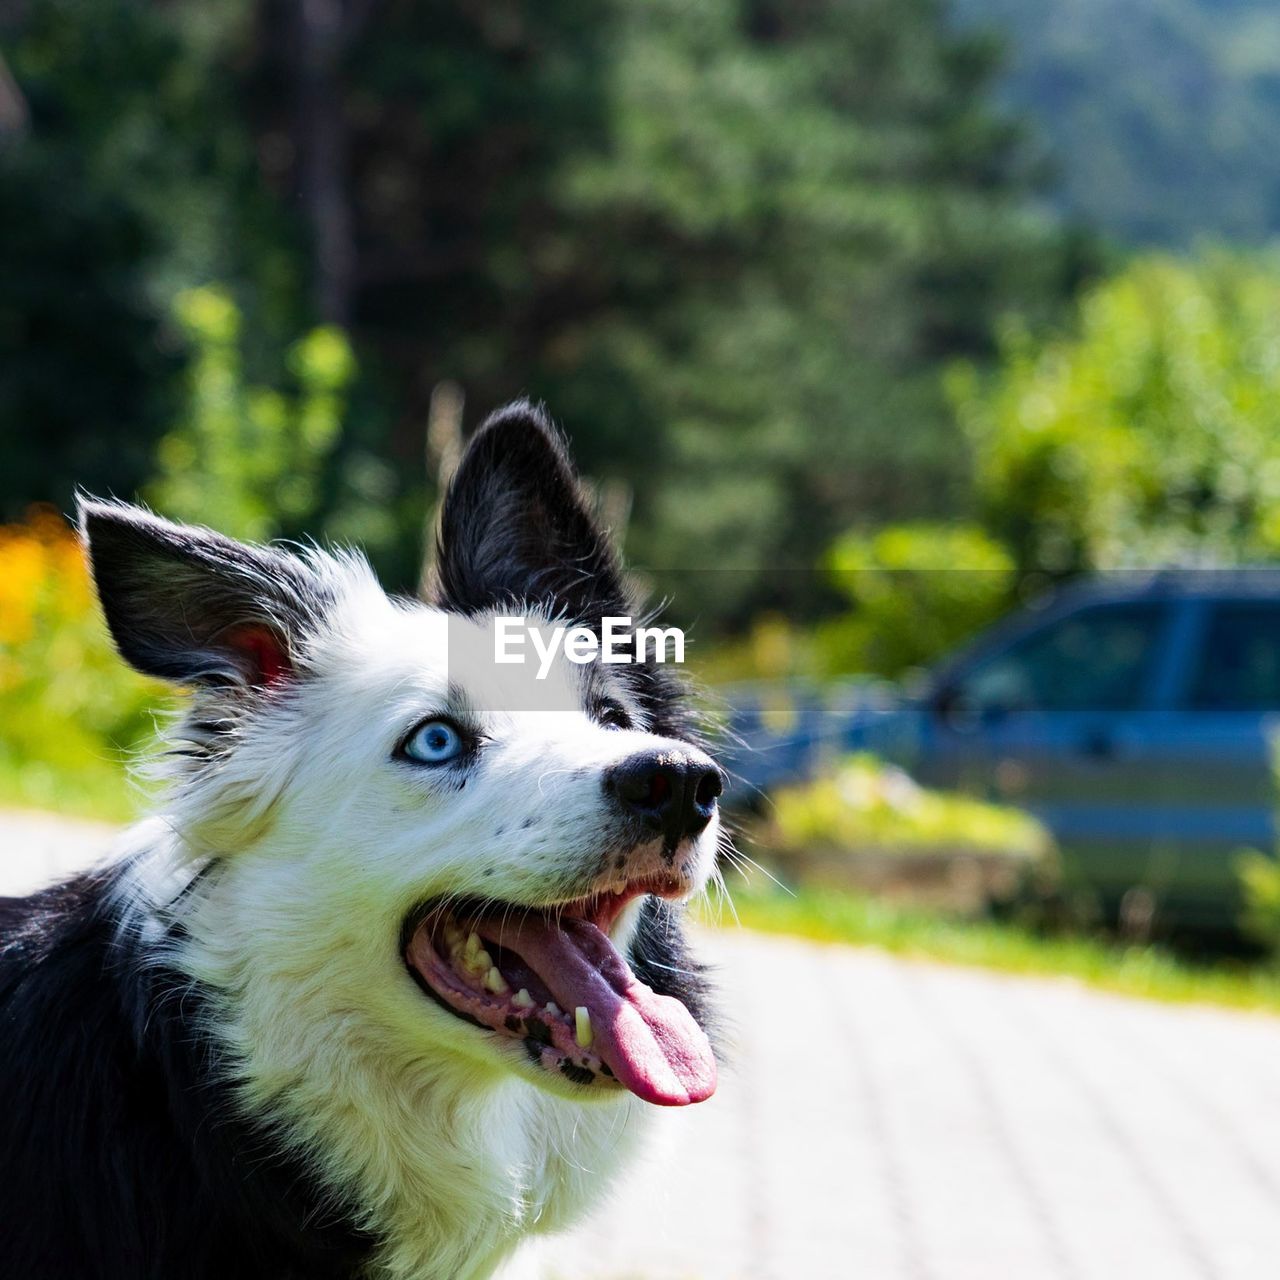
<point x="447" y="1161"/>
<point x="450" y="1172"/>
<point x="504" y="1164"/>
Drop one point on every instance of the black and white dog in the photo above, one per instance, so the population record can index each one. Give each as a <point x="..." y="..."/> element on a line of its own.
<point x="390" y="981"/>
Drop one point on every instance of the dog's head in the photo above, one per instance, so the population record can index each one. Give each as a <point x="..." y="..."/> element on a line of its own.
<point x="433" y="853"/>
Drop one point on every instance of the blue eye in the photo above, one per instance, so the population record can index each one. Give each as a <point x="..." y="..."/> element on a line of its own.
<point x="436" y="742"/>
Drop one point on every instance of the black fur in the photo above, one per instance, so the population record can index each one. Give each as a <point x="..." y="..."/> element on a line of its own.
<point x="121" y="1155"/>
<point x="517" y="531"/>
<point x="179" y="599"/>
<point x="662" y="960"/>
<point x="515" y="526"/>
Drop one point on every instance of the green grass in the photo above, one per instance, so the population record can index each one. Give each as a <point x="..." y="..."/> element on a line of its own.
<point x="862" y="803"/>
<point x="96" y="789"/>
<point x="1150" y="971"/>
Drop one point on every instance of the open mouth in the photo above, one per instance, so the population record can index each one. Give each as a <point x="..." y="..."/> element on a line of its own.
<point x="553" y="979"/>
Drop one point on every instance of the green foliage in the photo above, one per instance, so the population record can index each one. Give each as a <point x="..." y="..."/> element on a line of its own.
<point x="792" y="302"/>
<point x="915" y="591"/>
<point x="1159" y="116"/>
<point x="745" y="329"/>
<point x="865" y="805"/>
<point x="1149" y="434"/>
<point x="81" y="384"/>
<point x="130" y="178"/>
<point x="1147" y="971"/>
<point x="1259" y="878"/>
<point x="70" y="710"/>
<point x="729" y="243"/>
<point x="248" y="459"/>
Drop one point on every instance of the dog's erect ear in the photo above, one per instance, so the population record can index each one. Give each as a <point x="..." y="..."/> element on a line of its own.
<point x="189" y="605"/>
<point x="515" y="526"/>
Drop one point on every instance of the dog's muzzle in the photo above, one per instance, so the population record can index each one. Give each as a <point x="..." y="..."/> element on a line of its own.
<point x="671" y="793"/>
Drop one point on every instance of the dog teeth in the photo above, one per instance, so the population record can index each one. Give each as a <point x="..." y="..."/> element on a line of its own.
<point x="452" y="934"/>
<point x="582" y="1027"/>
<point x="522" y="999"/>
<point x="474" y="955"/>
<point x="495" y="982"/>
<point x="553" y="1009"/>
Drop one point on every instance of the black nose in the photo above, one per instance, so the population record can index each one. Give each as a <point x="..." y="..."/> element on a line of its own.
<point x="673" y="792"/>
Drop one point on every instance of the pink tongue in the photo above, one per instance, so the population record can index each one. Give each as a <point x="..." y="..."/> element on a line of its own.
<point x="651" y="1042"/>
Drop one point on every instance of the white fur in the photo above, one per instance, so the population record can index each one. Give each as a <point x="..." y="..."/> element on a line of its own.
<point x="319" y="843"/>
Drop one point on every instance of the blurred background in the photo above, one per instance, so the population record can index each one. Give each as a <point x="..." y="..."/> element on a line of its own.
<point x="872" y="324"/>
<point x="926" y="356"/>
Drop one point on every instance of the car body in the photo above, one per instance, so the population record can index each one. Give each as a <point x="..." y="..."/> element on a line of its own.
<point x="1134" y="714"/>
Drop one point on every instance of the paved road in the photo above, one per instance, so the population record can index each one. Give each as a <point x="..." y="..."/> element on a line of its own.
<point x="890" y="1120"/>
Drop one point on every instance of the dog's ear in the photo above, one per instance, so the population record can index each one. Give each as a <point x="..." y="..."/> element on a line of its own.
<point x="516" y="527"/>
<point x="186" y="604"/>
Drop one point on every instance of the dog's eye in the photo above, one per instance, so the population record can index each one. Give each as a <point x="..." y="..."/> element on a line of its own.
<point x="613" y="715"/>
<point x="436" y="742"/>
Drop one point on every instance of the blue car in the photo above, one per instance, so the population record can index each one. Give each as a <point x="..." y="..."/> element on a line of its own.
<point x="1136" y="716"/>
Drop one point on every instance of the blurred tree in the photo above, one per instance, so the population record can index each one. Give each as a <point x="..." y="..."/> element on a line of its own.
<point x="429" y="182"/>
<point x="1160" y="115"/>
<point x="731" y="244"/>
<point x="1148" y="434"/>
<point x="246" y="459"/>
<point x="846" y="214"/>
<point x="82" y="379"/>
<point x="916" y="591"/>
<point x="131" y="177"/>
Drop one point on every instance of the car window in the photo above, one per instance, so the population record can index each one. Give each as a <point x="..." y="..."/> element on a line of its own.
<point x="1239" y="663"/>
<point x="1098" y="659"/>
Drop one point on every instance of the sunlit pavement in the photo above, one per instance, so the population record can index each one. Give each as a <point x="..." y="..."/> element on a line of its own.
<point x="886" y="1119"/>
<point x="37" y="848"/>
<point x="893" y="1119"/>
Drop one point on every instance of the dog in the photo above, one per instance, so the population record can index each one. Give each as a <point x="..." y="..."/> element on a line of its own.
<point x="396" y="974"/>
